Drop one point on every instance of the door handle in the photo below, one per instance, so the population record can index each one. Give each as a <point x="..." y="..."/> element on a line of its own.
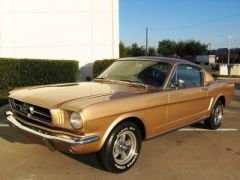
<point x="205" y="88"/>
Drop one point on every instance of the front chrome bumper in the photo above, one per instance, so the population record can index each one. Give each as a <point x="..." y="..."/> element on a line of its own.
<point x="72" y="141"/>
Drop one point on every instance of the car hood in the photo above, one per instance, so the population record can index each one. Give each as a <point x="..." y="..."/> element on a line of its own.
<point x="74" y="95"/>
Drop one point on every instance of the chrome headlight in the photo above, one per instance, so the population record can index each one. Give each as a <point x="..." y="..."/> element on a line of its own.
<point x="76" y="120"/>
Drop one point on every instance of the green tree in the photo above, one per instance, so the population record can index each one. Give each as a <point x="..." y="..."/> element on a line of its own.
<point x="194" y="48"/>
<point x="189" y="48"/>
<point x="151" y="51"/>
<point x="181" y="49"/>
<point x="167" y="47"/>
<point x="123" y="51"/>
<point x="135" y="50"/>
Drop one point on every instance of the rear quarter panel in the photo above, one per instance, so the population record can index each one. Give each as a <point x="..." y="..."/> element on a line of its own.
<point x="218" y="89"/>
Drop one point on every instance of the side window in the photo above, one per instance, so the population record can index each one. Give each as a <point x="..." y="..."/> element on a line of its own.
<point x="155" y="75"/>
<point x="187" y="76"/>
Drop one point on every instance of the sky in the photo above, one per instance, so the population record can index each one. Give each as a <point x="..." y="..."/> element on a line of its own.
<point x="209" y="21"/>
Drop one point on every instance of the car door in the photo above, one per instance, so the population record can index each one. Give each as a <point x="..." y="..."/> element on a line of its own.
<point x="188" y="97"/>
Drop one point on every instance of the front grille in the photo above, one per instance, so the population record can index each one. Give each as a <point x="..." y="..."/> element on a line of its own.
<point x="30" y="111"/>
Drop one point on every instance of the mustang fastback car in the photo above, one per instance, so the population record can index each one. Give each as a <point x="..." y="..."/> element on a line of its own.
<point x="132" y="100"/>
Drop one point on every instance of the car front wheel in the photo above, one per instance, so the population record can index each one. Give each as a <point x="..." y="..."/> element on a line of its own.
<point x="121" y="148"/>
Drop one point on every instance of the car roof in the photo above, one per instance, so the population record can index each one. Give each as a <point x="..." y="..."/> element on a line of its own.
<point x="160" y="59"/>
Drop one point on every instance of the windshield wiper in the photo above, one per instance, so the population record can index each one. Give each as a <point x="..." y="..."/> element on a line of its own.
<point x="135" y="82"/>
<point x="100" y="78"/>
<point x="103" y="79"/>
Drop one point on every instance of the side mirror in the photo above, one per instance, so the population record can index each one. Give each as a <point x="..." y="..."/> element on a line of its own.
<point x="181" y="83"/>
<point x="173" y="85"/>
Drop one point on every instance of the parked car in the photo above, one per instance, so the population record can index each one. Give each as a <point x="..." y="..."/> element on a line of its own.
<point x="133" y="100"/>
<point x="215" y="67"/>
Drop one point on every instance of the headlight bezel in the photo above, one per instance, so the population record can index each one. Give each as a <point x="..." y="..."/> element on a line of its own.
<point x="76" y="120"/>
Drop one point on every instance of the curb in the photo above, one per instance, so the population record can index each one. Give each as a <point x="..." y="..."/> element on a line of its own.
<point x="235" y="78"/>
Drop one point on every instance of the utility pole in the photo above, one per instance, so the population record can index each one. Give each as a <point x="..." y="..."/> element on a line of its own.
<point x="146" y="50"/>
<point x="229" y="46"/>
<point x="210" y="47"/>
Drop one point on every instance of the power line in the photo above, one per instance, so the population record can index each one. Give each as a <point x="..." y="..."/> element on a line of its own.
<point x="194" y="25"/>
<point x="223" y="41"/>
<point x="202" y="23"/>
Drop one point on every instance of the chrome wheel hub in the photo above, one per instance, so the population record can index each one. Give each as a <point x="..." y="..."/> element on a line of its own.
<point x="218" y="115"/>
<point x="124" y="147"/>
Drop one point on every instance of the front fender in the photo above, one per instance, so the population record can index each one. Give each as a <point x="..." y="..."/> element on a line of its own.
<point x="108" y="125"/>
<point x="119" y="120"/>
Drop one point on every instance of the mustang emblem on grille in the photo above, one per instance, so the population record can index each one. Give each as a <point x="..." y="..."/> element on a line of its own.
<point x="31" y="109"/>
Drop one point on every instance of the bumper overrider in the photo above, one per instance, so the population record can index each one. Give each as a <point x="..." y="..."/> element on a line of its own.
<point x="62" y="143"/>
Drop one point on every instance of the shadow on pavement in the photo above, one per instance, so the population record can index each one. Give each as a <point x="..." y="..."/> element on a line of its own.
<point x="88" y="159"/>
<point x="199" y="125"/>
<point x="13" y="136"/>
<point x="3" y="110"/>
<point x="236" y="98"/>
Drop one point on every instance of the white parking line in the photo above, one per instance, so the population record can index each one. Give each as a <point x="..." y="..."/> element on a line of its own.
<point x="4" y="125"/>
<point x="199" y="129"/>
<point x="232" y="112"/>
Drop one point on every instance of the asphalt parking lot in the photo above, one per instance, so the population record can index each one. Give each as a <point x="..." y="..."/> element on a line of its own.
<point x="189" y="153"/>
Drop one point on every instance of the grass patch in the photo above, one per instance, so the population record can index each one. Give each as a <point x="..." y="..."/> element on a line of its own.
<point x="3" y="97"/>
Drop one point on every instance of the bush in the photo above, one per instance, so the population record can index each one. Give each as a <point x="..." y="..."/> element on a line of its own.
<point x="28" y="72"/>
<point x="100" y="65"/>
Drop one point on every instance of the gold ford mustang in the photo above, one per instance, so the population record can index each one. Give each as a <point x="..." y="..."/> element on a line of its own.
<point x="133" y="100"/>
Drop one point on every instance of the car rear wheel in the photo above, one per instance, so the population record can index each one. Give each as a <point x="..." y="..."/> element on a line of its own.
<point x="121" y="148"/>
<point x="216" y="118"/>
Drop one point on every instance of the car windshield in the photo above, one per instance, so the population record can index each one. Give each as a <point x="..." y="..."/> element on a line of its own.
<point x="150" y="73"/>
